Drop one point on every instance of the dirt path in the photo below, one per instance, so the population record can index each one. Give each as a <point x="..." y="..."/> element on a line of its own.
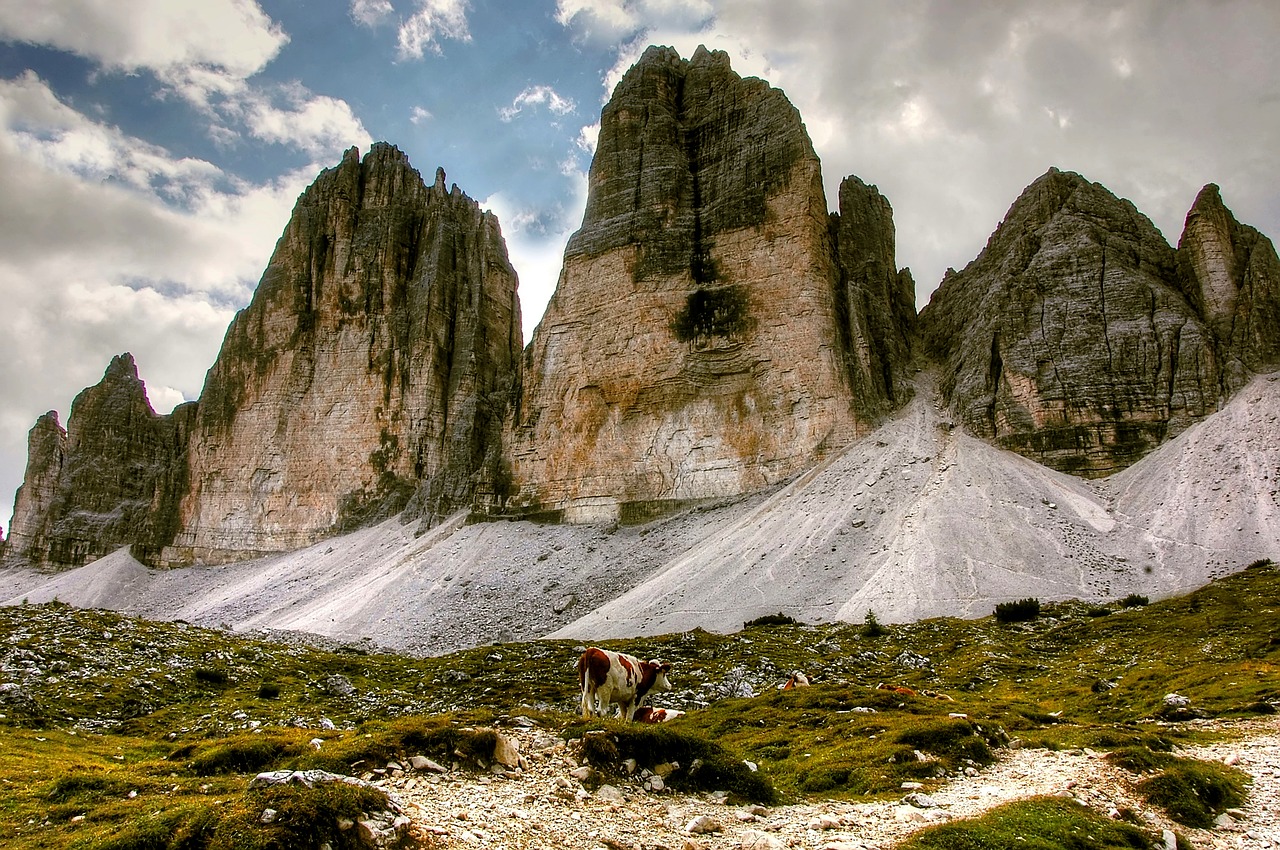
<point x="542" y="805"/>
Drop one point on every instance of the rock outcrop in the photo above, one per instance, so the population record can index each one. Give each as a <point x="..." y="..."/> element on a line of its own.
<point x="876" y="299"/>
<point x="371" y="371"/>
<point x="1069" y="338"/>
<point x="111" y="479"/>
<point x="1231" y="274"/>
<point x="694" y="347"/>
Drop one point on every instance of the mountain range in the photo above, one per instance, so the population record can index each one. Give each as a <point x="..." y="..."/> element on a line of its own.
<point x="730" y="408"/>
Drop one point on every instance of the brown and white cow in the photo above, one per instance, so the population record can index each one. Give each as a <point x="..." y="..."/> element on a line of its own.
<point x="615" y="678"/>
<point x="646" y="714"/>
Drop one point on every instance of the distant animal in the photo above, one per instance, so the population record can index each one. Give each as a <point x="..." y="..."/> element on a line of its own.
<point x="647" y="714"/>
<point x="797" y="680"/>
<point x="897" y="689"/>
<point x="614" y="678"/>
<point x="937" y="695"/>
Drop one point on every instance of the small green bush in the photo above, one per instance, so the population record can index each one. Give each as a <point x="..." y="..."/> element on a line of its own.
<point x="1259" y="564"/>
<point x="1194" y="792"/>
<point x="871" y="627"/>
<point x="650" y="745"/>
<point x="1134" y="600"/>
<point x="268" y="690"/>
<point x="211" y="676"/>
<point x="245" y="754"/>
<point x="778" y="619"/>
<point x="1097" y="612"/>
<point x="1018" y="612"/>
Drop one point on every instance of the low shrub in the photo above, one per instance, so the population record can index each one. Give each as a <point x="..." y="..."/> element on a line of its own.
<point x="1259" y="564"/>
<point x="778" y="619"/>
<point x="871" y="627"/>
<point x="268" y="690"/>
<point x="211" y="676"/>
<point x="1194" y="792"/>
<point x="1017" y="612"/>
<point x="1134" y="600"/>
<point x="705" y="764"/>
<point x="1097" y="612"/>
<point x="242" y="754"/>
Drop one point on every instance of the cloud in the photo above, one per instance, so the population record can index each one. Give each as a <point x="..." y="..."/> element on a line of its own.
<point x="434" y="20"/>
<point x="319" y="125"/>
<point x="160" y="35"/>
<point x="610" y="20"/>
<point x="371" y="13"/>
<point x="537" y="96"/>
<point x="418" y="115"/>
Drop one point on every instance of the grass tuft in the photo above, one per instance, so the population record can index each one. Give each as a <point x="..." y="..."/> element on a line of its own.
<point x="1020" y="611"/>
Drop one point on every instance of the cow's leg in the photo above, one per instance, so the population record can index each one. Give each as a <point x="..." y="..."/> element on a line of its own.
<point x="629" y="710"/>
<point x="588" y="702"/>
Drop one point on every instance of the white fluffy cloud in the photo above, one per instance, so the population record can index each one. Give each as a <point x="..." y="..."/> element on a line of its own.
<point x="321" y="126"/>
<point x="537" y="96"/>
<point x="160" y="35"/>
<point x="613" y="19"/>
<point x="434" y="20"/>
<point x="371" y="13"/>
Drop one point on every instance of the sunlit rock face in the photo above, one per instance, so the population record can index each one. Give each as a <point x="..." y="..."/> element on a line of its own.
<point x="111" y="479"/>
<point x="1231" y="274"/>
<point x="693" y="347"/>
<point x="1069" y="338"/>
<point x="372" y="370"/>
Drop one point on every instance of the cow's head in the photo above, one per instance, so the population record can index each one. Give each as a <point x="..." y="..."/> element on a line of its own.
<point x="660" y="670"/>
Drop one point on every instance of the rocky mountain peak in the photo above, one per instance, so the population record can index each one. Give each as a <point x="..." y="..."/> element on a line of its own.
<point x="387" y="321"/>
<point x="694" y="347"/>
<point x="1068" y="339"/>
<point x="1230" y="273"/>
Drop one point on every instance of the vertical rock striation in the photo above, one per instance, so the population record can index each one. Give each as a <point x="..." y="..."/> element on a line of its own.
<point x="371" y="371"/>
<point x="877" y="300"/>
<point x="1231" y="274"/>
<point x="1069" y="339"/>
<point x="693" y="346"/>
<point x="111" y="479"/>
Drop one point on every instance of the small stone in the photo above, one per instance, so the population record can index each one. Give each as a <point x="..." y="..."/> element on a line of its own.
<point x="754" y="839"/>
<point x="609" y="793"/>
<point x="269" y="816"/>
<point x="920" y="801"/>
<point x="702" y="825"/>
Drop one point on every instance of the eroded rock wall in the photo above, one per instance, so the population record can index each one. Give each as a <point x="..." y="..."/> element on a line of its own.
<point x="371" y="371"/>
<point x="1069" y="338"/>
<point x="111" y="479"/>
<point x="1231" y="274"/>
<point x="693" y="347"/>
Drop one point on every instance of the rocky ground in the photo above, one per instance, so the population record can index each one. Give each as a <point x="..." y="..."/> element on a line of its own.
<point x="544" y="804"/>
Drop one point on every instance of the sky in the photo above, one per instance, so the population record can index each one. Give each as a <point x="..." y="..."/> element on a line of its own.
<point x="151" y="150"/>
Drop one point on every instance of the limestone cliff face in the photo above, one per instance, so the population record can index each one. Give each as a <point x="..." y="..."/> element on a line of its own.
<point x="1068" y="339"/>
<point x="1231" y="274"/>
<point x="693" y="345"/>
<point x="371" y="371"/>
<point x="877" y="300"/>
<point x="111" y="479"/>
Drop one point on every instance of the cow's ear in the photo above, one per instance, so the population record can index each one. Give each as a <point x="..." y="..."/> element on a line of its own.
<point x="666" y="666"/>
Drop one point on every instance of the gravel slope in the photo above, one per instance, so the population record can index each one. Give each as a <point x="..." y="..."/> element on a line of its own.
<point x="916" y="520"/>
